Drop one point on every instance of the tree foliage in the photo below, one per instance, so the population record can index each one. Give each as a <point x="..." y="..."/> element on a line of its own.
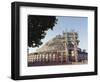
<point x="37" y="27"/>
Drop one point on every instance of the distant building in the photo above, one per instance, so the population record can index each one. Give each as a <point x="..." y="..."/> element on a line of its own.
<point x="62" y="49"/>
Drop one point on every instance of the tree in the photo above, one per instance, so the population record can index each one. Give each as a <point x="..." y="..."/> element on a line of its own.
<point x="37" y="27"/>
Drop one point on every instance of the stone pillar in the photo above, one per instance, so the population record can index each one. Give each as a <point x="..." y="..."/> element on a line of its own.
<point x="42" y="57"/>
<point x="61" y="57"/>
<point x="34" y="58"/>
<point x="57" y="57"/>
<point x="39" y="57"/>
<point x="75" y="47"/>
<point x="45" y="57"/>
<point x="53" y="57"/>
<point x="50" y="57"/>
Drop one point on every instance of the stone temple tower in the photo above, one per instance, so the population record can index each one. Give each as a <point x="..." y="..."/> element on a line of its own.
<point x="65" y="45"/>
<point x="72" y="38"/>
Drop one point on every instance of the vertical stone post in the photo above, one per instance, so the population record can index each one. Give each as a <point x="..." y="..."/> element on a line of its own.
<point x="61" y="57"/>
<point x="75" y="47"/>
<point x="65" y="46"/>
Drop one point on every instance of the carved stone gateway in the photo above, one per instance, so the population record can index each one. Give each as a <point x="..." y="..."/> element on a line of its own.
<point x="62" y="49"/>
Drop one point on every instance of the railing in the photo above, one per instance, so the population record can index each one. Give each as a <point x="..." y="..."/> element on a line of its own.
<point x="47" y="58"/>
<point x="54" y="58"/>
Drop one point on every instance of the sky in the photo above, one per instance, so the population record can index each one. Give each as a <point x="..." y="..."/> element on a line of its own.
<point x="68" y="23"/>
